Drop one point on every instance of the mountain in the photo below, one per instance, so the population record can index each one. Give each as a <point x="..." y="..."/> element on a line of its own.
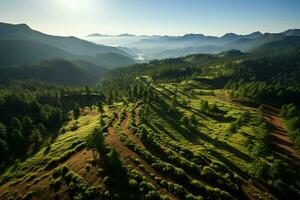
<point x="70" y="44"/>
<point x="230" y="37"/>
<point x="77" y="73"/>
<point x="97" y="35"/>
<point x="126" y="35"/>
<point x="292" y="32"/>
<point x="175" y="46"/>
<point x="105" y="35"/>
<point x="19" y="44"/>
<point x="287" y="43"/>
<point x="110" y="60"/>
<point x="17" y="52"/>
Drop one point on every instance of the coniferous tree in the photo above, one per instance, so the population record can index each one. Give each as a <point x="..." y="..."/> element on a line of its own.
<point x="109" y="98"/>
<point x="15" y="124"/>
<point x="3" y="150"/>
<point x="28" y="127"/>
<point x="17" y="140"/>
<point x="96" y="141"/>
<point x="76" y="110"/>
<point x="100" y="106"/>
<point x="3" y="133"/>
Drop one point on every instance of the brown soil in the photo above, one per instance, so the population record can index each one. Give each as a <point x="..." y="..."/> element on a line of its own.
<point x="124" y="126"/>
<point x="280" y="141"/>
<point x="77" y="163"/>
<point x="127" y="154"/>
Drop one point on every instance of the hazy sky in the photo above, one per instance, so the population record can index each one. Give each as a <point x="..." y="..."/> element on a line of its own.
<point x="172" y="17"/>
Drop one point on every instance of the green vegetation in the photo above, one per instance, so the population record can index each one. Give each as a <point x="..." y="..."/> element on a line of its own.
<point x="195" y="127"/>
<point x="291" y="115"/>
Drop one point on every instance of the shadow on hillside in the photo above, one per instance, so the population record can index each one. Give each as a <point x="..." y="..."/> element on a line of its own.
<point x="188" y="135"/>
<point x="227" y="162"/>
<point x="224" y="146"/>
<point x="193" y="135"/>
<point x="159" y="129"/>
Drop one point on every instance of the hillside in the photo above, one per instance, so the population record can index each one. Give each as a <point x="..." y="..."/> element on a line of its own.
<point x="78" y="73"/>
<point x="69" y="44"/>
<point x="157" y="47"/>
<point x="204" y="126"/>
<point x="21" y="45"/>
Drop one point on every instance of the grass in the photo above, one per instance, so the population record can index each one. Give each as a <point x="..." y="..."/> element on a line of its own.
<point x="188" y="161"/>
<point x="62" y="148"/>
<point x="210" y="137"/>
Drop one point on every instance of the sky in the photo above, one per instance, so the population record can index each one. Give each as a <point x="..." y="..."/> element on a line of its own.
<point x="152" y="17"/>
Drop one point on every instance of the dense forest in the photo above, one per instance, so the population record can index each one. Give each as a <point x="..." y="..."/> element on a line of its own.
<point x="202" y="126"/>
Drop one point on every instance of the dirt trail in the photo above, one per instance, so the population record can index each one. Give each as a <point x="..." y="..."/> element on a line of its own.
<point x="113" y="139"/>
<point x="136" y="117"/>
<point x="280" y="141"/>
<point x="126" y="154"/>
<point x="124" y="126"/>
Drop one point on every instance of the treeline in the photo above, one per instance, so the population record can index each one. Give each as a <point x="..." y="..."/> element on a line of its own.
<point x="291" y="116"/>
<point x="170" y="70"/>
<point x="32" y="112"/>
<point x="69" y="73"/>
<point x="261" y="77"/>
<point x="264" y="92"/>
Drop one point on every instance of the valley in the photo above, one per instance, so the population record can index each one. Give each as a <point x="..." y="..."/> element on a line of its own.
<point x="149" y="100"/>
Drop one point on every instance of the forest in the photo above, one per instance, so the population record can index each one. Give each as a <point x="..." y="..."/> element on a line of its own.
<point x="202" y="126"/>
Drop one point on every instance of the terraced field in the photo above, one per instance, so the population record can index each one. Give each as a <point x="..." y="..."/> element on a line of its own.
<point x="182" y="147"/>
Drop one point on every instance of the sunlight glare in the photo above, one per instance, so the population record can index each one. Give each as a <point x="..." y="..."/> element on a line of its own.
<point x="75" y="5"/>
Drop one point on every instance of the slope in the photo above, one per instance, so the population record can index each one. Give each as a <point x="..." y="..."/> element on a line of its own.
<point x="69" y="44"/>
<point x="17" y="52"/>
<point x="57" y="71"/>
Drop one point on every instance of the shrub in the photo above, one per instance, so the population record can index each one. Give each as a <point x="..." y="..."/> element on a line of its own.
<point x="153" y="195"/>
<point x="55" y="183"/>
<point x="133" y="183"/>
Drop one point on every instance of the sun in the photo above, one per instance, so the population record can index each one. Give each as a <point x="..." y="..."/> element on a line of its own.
<point x="75" y="5"/>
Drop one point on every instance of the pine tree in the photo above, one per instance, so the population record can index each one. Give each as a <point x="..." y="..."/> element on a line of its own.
<point x="96" y="141"/>
<point x="15" y="124"/>
<point x="76" y="110"/>
<point x="28" y="127"/>
<point x="3" y="150"/>
<point x="3" y="133"/>
<point x="100" y="106"/>
<point x="109" y="98"/>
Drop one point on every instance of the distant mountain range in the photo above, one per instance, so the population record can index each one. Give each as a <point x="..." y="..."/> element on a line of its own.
<point x="173" y="46"/>
<point x="19" y="44"/>
<point x="105" y="35"/>
<point x="29" y="54"/>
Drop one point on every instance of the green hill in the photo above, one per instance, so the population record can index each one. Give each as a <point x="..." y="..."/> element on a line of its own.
<point x="205" y="126"/>
<point x="21" y="45"/>
<point x="17" y="52"/>
<point x="70" y="44"/>
<point x="55" y="71"/>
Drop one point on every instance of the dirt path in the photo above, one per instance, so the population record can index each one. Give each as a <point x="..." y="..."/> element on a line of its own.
<point x="136" y="117"/>
<point x="126" y="154"/>
<point x="280" y="141"/>
<point x="124" y="126"/>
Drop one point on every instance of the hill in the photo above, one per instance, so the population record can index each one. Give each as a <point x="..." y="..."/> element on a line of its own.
<point x="175" y="46"/>
<point x="16" y="41"/>
<point x="17" y="52"/>
<point x="203" y="126"/>
<point x="78" y="73"/>
<point x="70" y="44"/>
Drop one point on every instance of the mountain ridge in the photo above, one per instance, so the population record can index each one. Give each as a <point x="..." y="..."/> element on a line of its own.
<point x="70" y="43"/>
